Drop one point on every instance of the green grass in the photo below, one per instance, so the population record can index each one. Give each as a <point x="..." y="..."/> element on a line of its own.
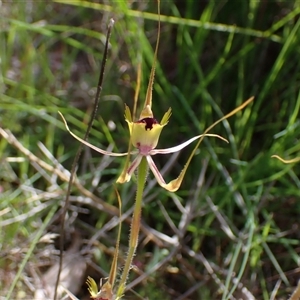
<point x="237" y="213"/>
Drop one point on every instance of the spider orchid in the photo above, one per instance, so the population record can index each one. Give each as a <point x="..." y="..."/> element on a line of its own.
<point x="144" y="136"/>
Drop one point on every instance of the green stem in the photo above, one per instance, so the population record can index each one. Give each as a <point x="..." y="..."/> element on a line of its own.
<point x="135" y="225"/>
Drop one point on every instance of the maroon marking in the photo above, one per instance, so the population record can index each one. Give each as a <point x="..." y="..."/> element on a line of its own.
<point x="149" y="122"/>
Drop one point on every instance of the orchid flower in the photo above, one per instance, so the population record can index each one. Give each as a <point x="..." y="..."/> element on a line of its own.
<point x="144" y="136"/>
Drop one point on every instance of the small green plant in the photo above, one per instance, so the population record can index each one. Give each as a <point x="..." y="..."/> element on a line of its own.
<point x="144" y="136"/>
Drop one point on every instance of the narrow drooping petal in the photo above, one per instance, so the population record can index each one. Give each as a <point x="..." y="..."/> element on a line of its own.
<point x="183" y="145"/>
<point x="92" y="146"/>
<point x="155" y="171"/>
<point x="127" y="172"/>
<point x="174" y="185"/>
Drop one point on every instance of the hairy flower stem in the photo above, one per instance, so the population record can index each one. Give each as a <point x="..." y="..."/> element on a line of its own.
<point x="135" y="224"/>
